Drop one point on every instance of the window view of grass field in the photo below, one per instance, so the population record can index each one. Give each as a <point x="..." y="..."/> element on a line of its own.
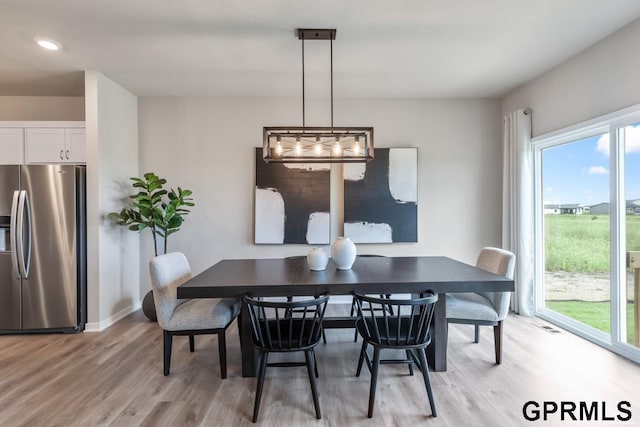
<point x="577" y="268"/>
<point x="577" y="243"/>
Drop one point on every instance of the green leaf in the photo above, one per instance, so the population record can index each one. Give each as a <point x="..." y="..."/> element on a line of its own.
<point x="175" y="222"/>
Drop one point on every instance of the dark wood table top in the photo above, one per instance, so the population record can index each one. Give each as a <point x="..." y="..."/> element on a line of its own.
<point x="292" y="277"/>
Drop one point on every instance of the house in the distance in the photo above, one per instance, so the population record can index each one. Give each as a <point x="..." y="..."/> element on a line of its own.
<point x="632" y="208"/>
<point x="566" y="208"/>
<point x="600" y="209"/>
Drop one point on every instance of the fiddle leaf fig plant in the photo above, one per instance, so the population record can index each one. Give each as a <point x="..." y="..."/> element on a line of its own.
<point x="155" y="208"/>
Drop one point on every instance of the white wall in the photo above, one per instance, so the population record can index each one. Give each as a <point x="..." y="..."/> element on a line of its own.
<point x="600" y="80"/>
<point x="53" y="108"/>
<point x="206" y="145"/>
<point x="112" y="157"/>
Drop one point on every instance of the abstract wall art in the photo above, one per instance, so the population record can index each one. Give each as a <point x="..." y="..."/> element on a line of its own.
<point x="291" y="203"/>
<point x="381" y="197"/>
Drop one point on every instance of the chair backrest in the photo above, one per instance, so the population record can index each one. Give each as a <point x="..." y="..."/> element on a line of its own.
<point x="501" y="262"/>
<point x="286" y="326"/>
<point x="168" y="271"/>
<point x="407" y="326"/>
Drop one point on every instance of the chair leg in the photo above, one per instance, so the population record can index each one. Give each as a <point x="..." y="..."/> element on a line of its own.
<point x="222" y="353"/>
<point x="374" y="380"/>
<point x="408" y="352"/>
<point x="361" y="359"/>
<point x="476" y="334"/>
<point x="427" y="383"/>
<point x="315" y="364"/>
<point x="168" y="340"/>
<point x="497" y="341"/>
<point x="192" y="343"/>
<point x="353" y="310"/>
<point x="324" y="337"/>
<point x="310" y="359"/>
<point x="261" y="373"/>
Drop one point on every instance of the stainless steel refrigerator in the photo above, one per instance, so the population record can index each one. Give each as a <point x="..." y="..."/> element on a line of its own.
<point x="42" y="248"/>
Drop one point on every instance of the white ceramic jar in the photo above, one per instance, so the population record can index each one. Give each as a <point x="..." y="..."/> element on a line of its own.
<point x="317" y="259"/>
<point x="343" y="253"/>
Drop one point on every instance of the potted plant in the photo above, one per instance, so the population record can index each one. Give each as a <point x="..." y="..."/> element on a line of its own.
<point x="156" y="209"/>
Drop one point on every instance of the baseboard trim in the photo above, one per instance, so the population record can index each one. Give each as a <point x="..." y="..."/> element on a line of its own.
<point x="104" y="324"/>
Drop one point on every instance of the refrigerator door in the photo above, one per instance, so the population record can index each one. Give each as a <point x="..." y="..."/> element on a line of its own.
<point x="50" y="292"/>
<point x="9" y="283"/>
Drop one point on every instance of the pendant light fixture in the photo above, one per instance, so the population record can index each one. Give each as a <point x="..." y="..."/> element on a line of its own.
<point x="313" y="144"/>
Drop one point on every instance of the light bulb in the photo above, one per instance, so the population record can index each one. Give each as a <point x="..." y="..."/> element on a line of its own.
<point x="337" y="149"/>
<point x="318" y="147"/>
<point x="298" y="146"/>
<point x="278" y="147"/>
<point x="356" y="146"/>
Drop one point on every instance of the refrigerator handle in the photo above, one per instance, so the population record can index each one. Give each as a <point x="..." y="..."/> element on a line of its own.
<point x="24" y="240"/>
<point x="12" y="234"/>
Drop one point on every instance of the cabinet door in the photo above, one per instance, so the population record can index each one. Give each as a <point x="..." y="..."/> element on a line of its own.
<point x="75" y="147"/>
<point x="11" y="146"/>
<point x="45" y="145"/>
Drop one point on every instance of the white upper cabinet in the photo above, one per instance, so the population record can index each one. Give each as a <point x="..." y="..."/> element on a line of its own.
<point x="76" y="143"/>
<point x="11" y="146"/>
<point x="42" y="142"/>
<point x="55" y="145"/>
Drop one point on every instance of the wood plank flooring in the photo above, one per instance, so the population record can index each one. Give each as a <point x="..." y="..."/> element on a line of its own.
<point x="114" y="378"/>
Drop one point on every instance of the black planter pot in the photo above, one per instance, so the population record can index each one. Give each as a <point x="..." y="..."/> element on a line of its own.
<point x="149" y="307"/>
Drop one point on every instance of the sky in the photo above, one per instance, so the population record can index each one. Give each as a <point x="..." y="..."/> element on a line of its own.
<point x="578" y="172"/>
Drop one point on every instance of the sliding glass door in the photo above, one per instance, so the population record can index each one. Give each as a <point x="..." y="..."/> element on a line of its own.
<point x="588" y="232"/>
<point x="576" y="228"/>
<point x="629" y="139"/>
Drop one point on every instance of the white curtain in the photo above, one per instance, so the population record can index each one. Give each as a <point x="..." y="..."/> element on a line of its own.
<point x="517" y="206"/>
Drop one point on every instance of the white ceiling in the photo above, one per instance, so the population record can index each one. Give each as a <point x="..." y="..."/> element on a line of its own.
<point x="401" y="48"/>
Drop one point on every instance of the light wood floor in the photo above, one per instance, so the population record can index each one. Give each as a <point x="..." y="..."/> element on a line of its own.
<point x="115" y="378"/>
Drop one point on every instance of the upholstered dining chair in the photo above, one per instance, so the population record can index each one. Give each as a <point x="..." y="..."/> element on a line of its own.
<point x="286" y="327"/>
<point x="187" y="316"/>
<point x="408" y="329"/>
<point x="485" y="308"/>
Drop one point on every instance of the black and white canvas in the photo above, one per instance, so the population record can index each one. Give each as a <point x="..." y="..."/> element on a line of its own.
<point x="291" y="203"/>
<point x="381" y="197"/>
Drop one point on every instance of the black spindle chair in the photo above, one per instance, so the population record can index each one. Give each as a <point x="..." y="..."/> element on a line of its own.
<point x="407" y="329"/>
<point x="290" y="298"/>
<point x="286" y="327"/>
<point x="353" y="303"/>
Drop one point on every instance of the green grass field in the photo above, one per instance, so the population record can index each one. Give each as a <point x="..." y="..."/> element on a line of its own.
<point x="580" y="244"/>
<point x="595" y="314"/>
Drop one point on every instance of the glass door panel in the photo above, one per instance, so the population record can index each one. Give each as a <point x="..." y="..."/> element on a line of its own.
<point x="630" y="313"/>
<point x="575" y="190"/>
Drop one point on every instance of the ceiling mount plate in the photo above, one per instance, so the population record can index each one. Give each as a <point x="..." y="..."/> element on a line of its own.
<point x="316" y="34"/>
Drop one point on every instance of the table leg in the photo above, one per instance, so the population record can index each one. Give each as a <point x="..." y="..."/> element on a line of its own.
<point x="249" y="353"/>
<point x="437" y="350"/>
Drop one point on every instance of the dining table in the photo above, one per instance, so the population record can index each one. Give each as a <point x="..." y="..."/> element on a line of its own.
<point x="279" y="277"/>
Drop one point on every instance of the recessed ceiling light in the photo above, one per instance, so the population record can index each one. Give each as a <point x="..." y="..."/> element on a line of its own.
<point x="48" y="44"/>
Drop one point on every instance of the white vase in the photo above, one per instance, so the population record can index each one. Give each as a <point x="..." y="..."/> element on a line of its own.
<point x="343" y="253"/>
<point x="317" y="259"/>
